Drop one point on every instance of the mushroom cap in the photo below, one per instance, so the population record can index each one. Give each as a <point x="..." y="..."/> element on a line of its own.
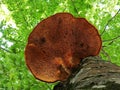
<point x="57" y="45"/>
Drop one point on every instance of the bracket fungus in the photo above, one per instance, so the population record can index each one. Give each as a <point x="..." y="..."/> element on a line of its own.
<point x="57" y="45"/>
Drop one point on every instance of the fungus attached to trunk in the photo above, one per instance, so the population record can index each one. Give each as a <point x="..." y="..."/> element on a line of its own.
<point x="57" y="45"/>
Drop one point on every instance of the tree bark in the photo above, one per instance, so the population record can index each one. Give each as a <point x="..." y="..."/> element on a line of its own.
<point x="93" y="74"/>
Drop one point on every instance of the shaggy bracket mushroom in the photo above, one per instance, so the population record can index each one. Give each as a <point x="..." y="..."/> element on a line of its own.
<point x="57" y="45"/>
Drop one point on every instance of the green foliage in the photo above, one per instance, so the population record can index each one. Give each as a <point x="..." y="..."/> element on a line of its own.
<point x="25" y="14"/>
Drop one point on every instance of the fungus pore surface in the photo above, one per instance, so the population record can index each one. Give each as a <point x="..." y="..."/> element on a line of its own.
<point x="57" y="45"/>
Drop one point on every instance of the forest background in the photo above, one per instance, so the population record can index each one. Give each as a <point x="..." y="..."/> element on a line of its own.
<point x="19" y="17"/>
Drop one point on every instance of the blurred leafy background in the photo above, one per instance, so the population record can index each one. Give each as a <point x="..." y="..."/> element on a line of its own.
<point x="19" y="17"/>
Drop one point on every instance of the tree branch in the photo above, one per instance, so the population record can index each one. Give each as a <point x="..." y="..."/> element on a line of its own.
<point x="109" y="22"/>
<point x="93" y="75"/>
<point x="5" y="50"/>
<point x="112" y="39"/>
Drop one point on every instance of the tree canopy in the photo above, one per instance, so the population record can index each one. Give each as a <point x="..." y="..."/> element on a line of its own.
<point x="18" y="18"/>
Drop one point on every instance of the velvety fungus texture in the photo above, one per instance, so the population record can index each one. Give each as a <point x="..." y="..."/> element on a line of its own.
<point x="57" y="45"/>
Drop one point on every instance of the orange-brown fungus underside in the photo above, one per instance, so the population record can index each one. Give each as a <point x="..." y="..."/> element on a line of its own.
<point x="57" y="44"/>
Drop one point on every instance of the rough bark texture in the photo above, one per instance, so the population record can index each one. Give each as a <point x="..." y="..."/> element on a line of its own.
<point x="93" y="74"/>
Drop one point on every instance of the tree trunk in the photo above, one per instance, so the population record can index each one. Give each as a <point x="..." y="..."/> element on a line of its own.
<point x="93" y="74"/>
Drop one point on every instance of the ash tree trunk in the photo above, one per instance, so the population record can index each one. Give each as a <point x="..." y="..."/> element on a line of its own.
<point x="93" y="74"/>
